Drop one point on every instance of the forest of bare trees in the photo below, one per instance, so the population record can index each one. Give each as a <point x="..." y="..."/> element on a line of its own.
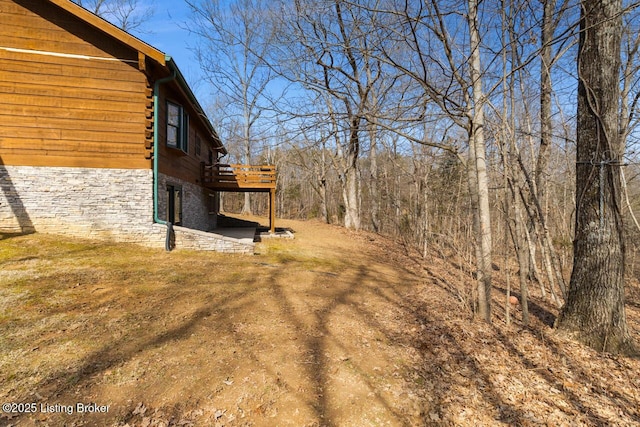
<point x="449" y="124"/>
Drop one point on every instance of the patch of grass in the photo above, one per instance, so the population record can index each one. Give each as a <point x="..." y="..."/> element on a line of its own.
<point x="286" y="252"/>
<point x="281" y="252"/>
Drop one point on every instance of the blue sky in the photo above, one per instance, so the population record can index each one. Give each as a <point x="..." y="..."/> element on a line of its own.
<point x="167" y="32"/>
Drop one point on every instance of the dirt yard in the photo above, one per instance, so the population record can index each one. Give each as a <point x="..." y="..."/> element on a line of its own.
<point x="333" y="328"/>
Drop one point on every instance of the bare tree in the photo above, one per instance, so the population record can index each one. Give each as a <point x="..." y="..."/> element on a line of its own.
<point x="551" y="18"/>
<point x="538" y="186"/>
<point x="234" y="38"/>
<point x="479" y="182"/>
<point x="325" y="48"/>
<point x="594" y="312"/>
<point x="428" y="46"/>
<point x="630" y="91"/>
<point x="129" y="15"/>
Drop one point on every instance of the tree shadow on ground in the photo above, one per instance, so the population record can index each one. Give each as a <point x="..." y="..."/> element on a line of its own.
<point x="64" y="382"/>
<point x="321" y="342"/>
<point x="330" y="334"/>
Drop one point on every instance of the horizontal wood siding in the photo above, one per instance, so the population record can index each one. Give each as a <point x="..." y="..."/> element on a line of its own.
<point x="41" y="25"/>
<point x="66" y="110"/>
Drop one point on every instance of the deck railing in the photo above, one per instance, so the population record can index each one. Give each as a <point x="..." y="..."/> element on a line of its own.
<point x="239" y="177"/>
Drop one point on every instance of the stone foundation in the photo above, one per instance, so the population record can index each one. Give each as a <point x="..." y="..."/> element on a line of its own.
<point x="107" y="204"/>
<point x="188" y="238"/>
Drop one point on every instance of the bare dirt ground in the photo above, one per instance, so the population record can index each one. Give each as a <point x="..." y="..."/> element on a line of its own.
<point x="333" y="328"/>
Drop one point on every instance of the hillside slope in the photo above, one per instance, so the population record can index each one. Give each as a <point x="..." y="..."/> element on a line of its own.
<point x="331" y="328"/>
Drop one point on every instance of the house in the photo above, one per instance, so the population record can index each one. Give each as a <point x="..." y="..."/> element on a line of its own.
<point x="101" y="136"/>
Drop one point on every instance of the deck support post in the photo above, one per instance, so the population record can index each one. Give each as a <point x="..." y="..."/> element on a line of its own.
<point x="272" y="210"/>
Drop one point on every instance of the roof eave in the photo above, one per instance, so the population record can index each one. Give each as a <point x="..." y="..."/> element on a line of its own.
<point x="171" y="64"/>
<point x="111" y="30"/>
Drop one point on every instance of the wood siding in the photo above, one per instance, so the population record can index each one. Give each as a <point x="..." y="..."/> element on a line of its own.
<point x="64" y="109"/>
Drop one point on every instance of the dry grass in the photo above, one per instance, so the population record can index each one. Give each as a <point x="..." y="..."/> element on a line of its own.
<point x="332" y="328"/>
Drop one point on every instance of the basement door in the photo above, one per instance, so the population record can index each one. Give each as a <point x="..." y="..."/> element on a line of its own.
<point x="174" y="204"/>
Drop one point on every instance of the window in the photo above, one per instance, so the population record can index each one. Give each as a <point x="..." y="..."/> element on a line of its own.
<point x="174" y="204"/>
<point x="177" y="127"/>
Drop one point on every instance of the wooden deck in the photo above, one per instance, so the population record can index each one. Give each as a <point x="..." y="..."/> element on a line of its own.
<point x="240" y="178"/>
<point x="243" y="178"/>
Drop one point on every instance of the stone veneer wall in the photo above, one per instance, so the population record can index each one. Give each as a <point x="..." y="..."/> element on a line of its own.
<point x="113" y="204"/>
<point x="200" y="240"/>
<point x="195" y="204"/>
<point x="98" y="203"/>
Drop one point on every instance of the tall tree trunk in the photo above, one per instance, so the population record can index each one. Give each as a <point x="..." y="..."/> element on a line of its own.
<point x="508" y="144"/>
<point x="350" y="196"/>
<point x="548" y="252"/>
<point x="351" y="184"/>
<point x="324" y="210"/>
<point x="477" y="163"/>
<point x="545" y="99"/>
<point x="520" y="244"/>
<point x="594" y="313"/>
<point x="373" y="178"/>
